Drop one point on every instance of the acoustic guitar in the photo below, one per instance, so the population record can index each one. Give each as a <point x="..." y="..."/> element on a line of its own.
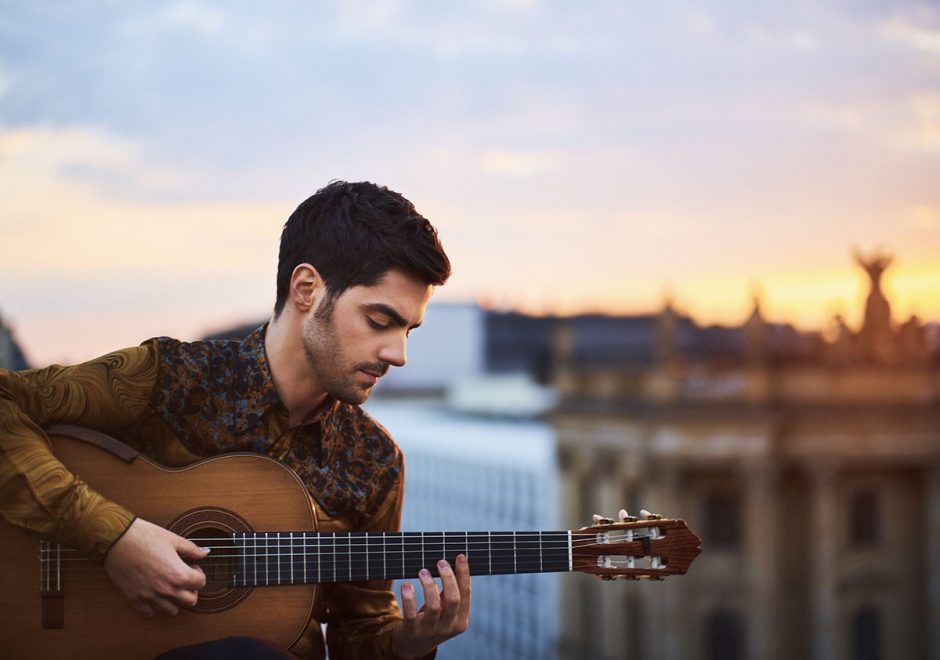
<point x="256" y="516"/>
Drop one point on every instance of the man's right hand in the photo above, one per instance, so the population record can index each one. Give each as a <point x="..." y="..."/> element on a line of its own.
<point x="149" y="565"/>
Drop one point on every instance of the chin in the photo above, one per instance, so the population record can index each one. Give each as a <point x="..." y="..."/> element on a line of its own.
<point x="353" y="396"/>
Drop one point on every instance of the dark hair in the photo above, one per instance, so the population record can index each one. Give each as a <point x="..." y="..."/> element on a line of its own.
<point x="353" y="233"/>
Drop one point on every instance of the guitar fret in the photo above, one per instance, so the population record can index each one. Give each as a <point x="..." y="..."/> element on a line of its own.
<point x="570" y="553"/>
<point x="489" y="554"/>
<point x="271" y="558"/>
<point x="255" y="559"/>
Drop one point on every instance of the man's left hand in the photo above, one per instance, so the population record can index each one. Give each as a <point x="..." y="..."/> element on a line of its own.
<point x="445" y="614"/>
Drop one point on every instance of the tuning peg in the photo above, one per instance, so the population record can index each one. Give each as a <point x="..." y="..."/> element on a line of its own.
<point x="625" y="517"/>
<point x="646" y="515"/>
<point x="602" y="520"/>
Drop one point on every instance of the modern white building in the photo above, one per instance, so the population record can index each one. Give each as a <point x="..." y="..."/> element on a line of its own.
<point x="474" y="473"/>
<point x="449" y="346"/>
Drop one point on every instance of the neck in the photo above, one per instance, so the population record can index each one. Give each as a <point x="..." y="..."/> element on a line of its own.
<point x="295" y="382"/>
<point x="273" y="558"/>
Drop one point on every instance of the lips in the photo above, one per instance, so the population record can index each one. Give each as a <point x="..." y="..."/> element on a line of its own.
<point x="373" y="377"/>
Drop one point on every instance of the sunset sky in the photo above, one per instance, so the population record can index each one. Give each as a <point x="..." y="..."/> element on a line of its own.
<point x="590" y="156"/>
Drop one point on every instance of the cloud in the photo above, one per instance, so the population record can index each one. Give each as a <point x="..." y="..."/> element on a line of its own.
<point x="244" y="32"/>
<point x="7" y="79"/>
<point x="921" y="217"/>
<point x="912" y="31"/>
<point x="909" y="124"/>
<point x="86" y="157"/>
<point x="792" y="39"/>
<point x="518" y="163"/>
<point x="59" y="218"/>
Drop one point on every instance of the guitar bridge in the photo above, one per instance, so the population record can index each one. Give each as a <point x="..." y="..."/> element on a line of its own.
<point x="52" y="601"/>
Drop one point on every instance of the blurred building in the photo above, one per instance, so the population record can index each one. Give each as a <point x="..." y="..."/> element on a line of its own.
<point x="810" y="467"/>
<point x="11" y="355"/>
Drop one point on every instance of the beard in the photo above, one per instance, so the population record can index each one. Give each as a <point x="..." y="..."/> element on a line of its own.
<point x="327" y="358"/>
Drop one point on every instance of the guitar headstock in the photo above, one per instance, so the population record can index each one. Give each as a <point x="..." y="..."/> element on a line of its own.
<point x="635" y="549"/>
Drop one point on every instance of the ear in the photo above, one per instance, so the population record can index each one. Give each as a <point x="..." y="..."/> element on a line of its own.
<point x="306" y="287"/>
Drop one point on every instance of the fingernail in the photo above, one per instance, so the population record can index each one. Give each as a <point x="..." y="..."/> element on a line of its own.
<point x="442" y="565"/>
<point x="461" y="559"/>
<point x="424" y="573"/>
<point x="206" y="550"/>
<point x="406" y="586"/>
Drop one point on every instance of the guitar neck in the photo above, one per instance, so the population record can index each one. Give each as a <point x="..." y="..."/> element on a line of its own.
<point x="281" y="558"/>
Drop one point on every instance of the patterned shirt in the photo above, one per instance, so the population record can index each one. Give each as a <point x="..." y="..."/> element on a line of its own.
<point x="177" y="402"/>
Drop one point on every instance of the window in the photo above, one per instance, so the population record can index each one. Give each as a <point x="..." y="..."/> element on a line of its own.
<point x="865" y="631"/>
<point x="722" y="520"/>
<point x="723" y="636"/>
<point x="864" y="518"/>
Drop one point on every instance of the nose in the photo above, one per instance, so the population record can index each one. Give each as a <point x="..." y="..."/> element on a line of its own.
<point x="393" y="352"/>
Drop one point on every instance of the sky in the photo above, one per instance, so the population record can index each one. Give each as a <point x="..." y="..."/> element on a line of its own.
<point x="590" y="156"/>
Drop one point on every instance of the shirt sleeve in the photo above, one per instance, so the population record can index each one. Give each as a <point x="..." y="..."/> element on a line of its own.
<point x="362" y="615"/>
<point x="37" y="492"/>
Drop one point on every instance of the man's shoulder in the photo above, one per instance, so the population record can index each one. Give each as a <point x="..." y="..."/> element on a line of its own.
<point x="175" y="350"/>
<point x="211" y="358"/>
<point x="354" y="422"/>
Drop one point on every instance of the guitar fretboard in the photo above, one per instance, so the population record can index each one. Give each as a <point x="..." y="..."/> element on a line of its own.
<point x="282" y="558"/>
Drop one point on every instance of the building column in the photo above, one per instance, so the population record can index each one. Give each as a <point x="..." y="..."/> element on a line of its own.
<point x="616" y="480"/>
<point x="933" y="563"/>
<point x="761" y="519"/>
<point x="576" y="627"/>
<point x="663" y="627"/>
<point x="823" y="559"/>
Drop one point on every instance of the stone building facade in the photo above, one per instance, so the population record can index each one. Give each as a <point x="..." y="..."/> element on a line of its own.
<point x="811" y="471"/>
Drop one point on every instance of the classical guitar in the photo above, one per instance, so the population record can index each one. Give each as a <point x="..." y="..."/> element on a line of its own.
<point x="256" y="516"/>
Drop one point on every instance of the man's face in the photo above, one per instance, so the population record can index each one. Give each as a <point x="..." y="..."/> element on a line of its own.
<point x="352" y="341"/>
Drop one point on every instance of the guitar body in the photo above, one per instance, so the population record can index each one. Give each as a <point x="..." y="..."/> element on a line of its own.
<point x="70" y="608"/>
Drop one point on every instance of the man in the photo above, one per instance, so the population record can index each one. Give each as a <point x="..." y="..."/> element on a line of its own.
<point x="356" y="268"/>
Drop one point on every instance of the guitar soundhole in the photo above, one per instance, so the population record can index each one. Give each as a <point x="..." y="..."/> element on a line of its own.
<point x="220" y="565"/>
<point x="213" y="528"/>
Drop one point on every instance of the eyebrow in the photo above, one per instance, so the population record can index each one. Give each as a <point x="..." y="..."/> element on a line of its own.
<point x="390" y="312"/>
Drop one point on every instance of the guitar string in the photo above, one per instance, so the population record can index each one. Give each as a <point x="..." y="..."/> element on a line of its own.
<point x="251" y="550"/>
<point x="357" y="565"/>
<point x="354" y="573"/>
<point x="578" y="538"/>
<point x="352" y="563"/>
<point x="348" y="545"/>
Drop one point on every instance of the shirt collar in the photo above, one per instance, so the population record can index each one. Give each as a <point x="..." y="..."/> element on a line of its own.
<point x="256" y="385"/>
<point x="257" y="393"/>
